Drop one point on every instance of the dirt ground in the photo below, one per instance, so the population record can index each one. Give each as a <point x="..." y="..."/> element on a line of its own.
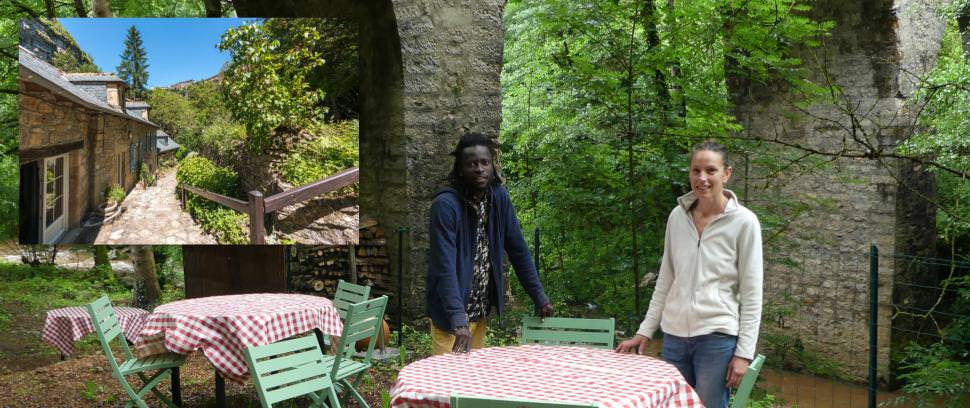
<point x="87" y="381"/>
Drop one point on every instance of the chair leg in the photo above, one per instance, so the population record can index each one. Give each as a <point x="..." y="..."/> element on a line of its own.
<point x="351" y="388"/>
<point x="176" y="387"/>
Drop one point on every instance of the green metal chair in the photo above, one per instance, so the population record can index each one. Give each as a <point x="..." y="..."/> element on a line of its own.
<point x="747" y="383"/>
<point x="108" y="328"/>
<point x="291" y="368"/>
<point x="348" y="294"/>
<point x="468" y="401"/>
<point x="363" y="321"/>
<point x="565" y="331"/>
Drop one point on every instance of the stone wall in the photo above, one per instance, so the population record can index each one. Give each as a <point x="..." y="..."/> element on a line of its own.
<point x="37" y="36"/>
<point x="451" y="53"/>
<point x="49" y="120"/>
<point x="818" y="267"/>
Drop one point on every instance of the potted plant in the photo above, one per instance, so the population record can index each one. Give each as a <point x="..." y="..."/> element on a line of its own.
<point x="113" y="196"/>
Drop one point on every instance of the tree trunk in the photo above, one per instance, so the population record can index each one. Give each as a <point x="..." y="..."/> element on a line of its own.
<point x="213" y="8"/>
<point x="80" y="9"/>
<point x="101" y="261"/>
<point x="147" y="291"/>
<point x="963" y="23"/>
<point x="51" y="8"/>
<point x="101" y="8"/>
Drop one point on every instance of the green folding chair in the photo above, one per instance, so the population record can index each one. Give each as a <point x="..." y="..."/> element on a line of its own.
<point x="289" y="369"/>
<point x="468" y="401"/>
<point x="348" y="294"/>
<point x="747" y="383"/>
<point x="363" y="321"/>
<point x="566" y="331"/>
<point x="108" y="328"/>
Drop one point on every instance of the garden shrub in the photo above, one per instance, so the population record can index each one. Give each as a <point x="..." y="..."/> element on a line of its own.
<point x="146" y="176"/>
<point x="335" y="148"/>
<point x="180" y="153"/>
<point x="224" y="223"/>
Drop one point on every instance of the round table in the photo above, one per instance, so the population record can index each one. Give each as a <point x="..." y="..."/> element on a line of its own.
<point x="64" y="326"/>
<point x="535" y="372"/>
<point x="224" y="326"/>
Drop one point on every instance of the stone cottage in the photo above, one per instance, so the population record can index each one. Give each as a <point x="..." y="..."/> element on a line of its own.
<point x="78" y="137"/>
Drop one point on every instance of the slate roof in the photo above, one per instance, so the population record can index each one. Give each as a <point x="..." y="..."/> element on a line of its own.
<point x="48" y="76"/>
<point x="93" y="77"/>
<point x="136" y="104"/>
<point x="164" y="142"/>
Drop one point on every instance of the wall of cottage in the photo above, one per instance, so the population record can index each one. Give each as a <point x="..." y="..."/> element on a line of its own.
<point x="48" y="120"/>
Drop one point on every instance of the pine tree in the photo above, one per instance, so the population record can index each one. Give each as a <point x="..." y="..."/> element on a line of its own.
<point x="134" y="65"/>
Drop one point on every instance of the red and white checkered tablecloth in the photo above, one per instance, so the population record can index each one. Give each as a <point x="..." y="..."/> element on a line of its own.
<point x="224" y="326"/>
<point x="64" y="326"/>
<point x="535" y="372"/>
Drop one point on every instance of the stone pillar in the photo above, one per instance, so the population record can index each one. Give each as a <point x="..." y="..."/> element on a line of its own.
<point x="818" y="266"/>
<point x="452" y="61"/>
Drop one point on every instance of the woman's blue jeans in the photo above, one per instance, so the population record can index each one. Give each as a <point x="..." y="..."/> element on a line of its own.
<point x="703" y="360"/>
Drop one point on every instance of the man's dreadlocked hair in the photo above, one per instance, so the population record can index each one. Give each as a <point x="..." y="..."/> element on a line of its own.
<point x="467" y="140"/>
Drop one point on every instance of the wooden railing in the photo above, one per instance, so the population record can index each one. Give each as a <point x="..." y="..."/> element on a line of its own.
<point x="257" y="206"/>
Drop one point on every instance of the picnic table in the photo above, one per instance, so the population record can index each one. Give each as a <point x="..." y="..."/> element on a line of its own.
<point x="222" y="327"/>
<point x="553" y="373"/>
<point x="66" y="325"/>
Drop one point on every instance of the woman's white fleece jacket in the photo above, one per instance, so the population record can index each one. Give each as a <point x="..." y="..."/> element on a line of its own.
<point x="709" y="283"/>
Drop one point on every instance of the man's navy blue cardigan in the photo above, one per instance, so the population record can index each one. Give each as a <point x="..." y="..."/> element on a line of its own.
<point x="451" y="255"/>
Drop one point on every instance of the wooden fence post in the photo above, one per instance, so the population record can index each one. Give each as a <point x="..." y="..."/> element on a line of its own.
<point x="257" y="207"/>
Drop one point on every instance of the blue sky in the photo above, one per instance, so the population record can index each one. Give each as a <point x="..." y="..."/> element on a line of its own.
<point x="178" y="48"/>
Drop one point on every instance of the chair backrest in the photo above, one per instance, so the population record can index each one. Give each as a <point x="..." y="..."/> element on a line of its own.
<point x="565" y="331"/>
<point x="747" y="383"/>
<point x="363" y="321"/>
<point x="108" y="328"/>
<point x="469" y="401"/>
<point x="288" y="369"/>
<point x="348" y="294"/>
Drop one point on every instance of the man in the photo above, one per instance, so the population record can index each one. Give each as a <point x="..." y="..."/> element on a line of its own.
<point x="473" y="225"/>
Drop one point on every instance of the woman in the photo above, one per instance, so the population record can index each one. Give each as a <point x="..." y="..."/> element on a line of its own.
<point x="708" y="296"/>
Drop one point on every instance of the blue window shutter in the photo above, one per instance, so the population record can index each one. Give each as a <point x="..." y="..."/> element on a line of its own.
<point x="131" y="158"/>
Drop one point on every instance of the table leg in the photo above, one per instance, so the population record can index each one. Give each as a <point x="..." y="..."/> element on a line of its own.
<point x="220" y="391"/>
<point x="323" y="346"/>
<point x="176" y="387"/>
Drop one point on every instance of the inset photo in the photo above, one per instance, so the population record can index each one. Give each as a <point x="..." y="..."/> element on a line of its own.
<point x="188" y="131"/>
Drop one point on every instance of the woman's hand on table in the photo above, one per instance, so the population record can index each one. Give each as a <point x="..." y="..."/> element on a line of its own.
<point x="637" y="344"/>
<point x="463" y="340"/>
<point x="736" y="369"/>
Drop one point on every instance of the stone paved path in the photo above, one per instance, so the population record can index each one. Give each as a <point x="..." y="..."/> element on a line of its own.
<point x="153" y="216"/>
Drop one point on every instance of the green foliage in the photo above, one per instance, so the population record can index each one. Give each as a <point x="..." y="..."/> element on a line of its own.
<point x="157" y="8"/>
<point x="168" y="265"/>
<point x="338" y="47"/>
<point x="601" y="101"/>
<point x="133" y="68"/>
<point x="65" y="61"/>
<point x="225" y="224"/>
<point x="267" y="86"/>
<point x="9" y="195"/>
<point x="171" y="111"/>
<point x="181" y="153"/>
<point x="146" y="176"/>
<point x="942" y="139"/>
<point x="334" y="148"/>
<point x="115" y="193"/>
<point x="940" y="371"/>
